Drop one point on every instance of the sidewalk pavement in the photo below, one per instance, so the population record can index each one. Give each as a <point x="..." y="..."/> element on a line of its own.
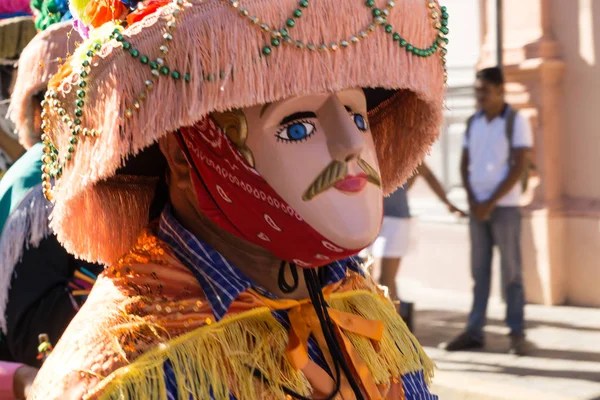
<point x="563" y="364"/>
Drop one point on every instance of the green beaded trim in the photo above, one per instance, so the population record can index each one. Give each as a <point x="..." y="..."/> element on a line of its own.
<point x="53" y="166"/>
<point x="439" y="16"/>
<point x="158" y="66"/>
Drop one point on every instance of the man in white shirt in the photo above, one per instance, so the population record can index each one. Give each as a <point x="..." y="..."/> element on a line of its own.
<point x="495" y="157"/>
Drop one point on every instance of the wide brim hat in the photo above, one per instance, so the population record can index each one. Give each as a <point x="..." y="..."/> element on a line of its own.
<point x="39" y="61"/>
<point x="127" y="88"/>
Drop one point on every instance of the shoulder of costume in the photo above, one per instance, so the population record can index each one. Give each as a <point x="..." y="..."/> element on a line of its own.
<point x="204" y="360"/>
<point x="154" y="320"/>
<point x="150" y="269"/>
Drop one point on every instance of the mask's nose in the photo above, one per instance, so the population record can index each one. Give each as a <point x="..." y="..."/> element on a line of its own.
<point x="344" y="140"/>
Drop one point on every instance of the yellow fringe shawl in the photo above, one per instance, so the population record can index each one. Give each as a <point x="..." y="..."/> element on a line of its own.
<point x="217" y="358"/>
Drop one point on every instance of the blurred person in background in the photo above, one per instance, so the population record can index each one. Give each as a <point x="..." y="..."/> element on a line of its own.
<point x="496" y="150"/>
<point x="41" y="285"/>
<point x="394" y="240"/>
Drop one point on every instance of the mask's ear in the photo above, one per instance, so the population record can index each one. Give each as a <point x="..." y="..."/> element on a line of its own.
<point x="235" y="126"/>
<point x="178" y="165"/>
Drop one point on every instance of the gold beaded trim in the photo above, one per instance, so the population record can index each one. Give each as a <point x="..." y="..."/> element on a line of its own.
<point x="284" y="35"/>
<point x="53" y="166"/>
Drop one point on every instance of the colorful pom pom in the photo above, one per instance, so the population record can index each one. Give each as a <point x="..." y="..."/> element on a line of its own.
<point x="77" y="8"/>
<point x="49" y="12"/>
<point x="99" y="12"/>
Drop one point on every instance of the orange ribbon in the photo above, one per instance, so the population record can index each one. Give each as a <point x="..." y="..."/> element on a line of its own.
<point x="304" y="322"/>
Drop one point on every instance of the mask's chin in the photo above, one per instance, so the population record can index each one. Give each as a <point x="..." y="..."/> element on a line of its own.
<point x="351" y="229"/>
<point x="355" y="239"/>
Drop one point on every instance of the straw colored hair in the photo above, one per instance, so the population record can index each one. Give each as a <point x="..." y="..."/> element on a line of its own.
<point x="98" y="217"/>
<point x="39" y="61"/>
<point x="15" y="33"/>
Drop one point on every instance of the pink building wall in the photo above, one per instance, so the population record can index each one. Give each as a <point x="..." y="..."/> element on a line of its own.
<point x="551" y="54"/>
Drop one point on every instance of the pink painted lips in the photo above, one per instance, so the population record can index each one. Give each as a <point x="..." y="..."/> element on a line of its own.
<point x="352" y="183"/>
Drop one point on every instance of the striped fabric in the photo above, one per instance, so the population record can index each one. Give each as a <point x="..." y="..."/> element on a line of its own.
<point x="220" y="280"/>
<point x="222" y="283"/>
<point x="415" y="387"/>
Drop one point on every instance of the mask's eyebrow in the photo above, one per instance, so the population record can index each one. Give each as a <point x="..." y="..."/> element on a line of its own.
<point x="348" y="108"/>
<point x="262" y="111"/>
<point x="297" y="116"/>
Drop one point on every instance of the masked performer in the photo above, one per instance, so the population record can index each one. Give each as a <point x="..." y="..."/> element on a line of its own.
<point x="279" y="145"/>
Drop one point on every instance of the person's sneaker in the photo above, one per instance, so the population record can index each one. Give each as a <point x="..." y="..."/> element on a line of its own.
<point x="464" y="341"/>
<point x="518" y="345"/>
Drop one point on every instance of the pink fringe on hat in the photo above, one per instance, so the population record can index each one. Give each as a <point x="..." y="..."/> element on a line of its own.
<point x="211" y="38"/>
<point x="105" y="231"/>
<point x="37" y="64"/>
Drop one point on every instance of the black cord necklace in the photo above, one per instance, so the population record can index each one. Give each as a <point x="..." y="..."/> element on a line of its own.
<point x="314" y="281"/>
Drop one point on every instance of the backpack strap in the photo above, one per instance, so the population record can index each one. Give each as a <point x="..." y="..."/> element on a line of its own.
<point x="469" y="123"/>
<point x="510" y="131"/>
<point x="510" y="125"/>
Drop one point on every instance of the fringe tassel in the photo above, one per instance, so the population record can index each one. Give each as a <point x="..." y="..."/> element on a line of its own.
<point x="401" y="132"/>
<point x="26" y="227"/>
<point x="398" y="352"/>
<point x="113" y="210"/>
<point x="205" y="360"/>
<point x="216" y="359"/>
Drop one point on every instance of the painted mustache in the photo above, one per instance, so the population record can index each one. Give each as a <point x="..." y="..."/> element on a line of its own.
<point x="336" y="172"/>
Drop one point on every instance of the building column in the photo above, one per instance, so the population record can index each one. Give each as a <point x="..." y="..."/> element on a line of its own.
<point x="533" y="72"/>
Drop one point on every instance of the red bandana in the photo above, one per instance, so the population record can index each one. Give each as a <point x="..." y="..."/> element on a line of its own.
<point x="236" y="198"/>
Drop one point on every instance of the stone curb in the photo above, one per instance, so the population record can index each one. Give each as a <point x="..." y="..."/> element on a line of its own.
<point x="450" y="385"/>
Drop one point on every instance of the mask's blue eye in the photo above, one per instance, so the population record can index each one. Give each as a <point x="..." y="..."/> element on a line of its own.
<point x="296" y="131"/>
<point x="360" y="122"/>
